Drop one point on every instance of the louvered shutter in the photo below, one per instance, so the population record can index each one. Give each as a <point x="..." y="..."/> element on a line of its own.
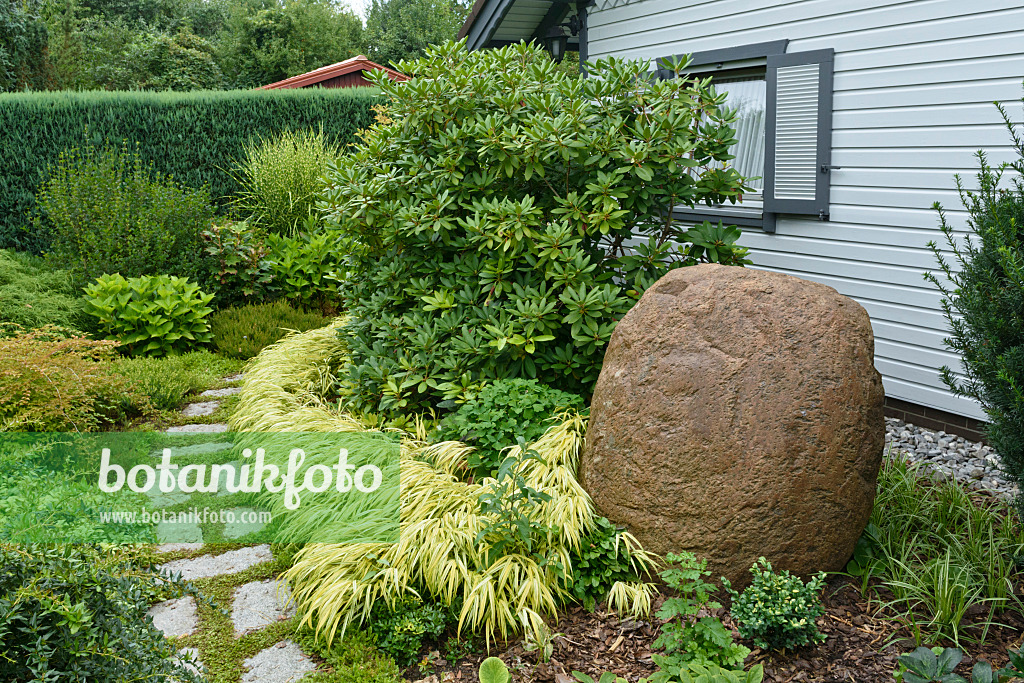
<point x="798" y="133"/>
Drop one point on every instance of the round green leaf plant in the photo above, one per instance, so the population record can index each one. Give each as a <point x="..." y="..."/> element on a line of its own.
<point x="503" y="216"/>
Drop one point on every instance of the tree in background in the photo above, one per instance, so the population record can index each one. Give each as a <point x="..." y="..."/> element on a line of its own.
<point x="286" y="39"/>
<point x="23" y="47"/>
<point x="183" y="61"/>
<point x="402" y="29"/>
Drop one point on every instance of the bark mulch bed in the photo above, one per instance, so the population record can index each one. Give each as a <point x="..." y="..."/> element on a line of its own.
<point x="862" y="646"/>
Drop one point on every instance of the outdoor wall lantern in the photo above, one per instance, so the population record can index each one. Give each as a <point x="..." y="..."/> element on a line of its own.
<point x="556" y="41"/>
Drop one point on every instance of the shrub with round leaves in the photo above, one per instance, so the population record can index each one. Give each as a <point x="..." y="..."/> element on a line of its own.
<point x="152" y="315"/>
<point x="777" y="610"/>
<point x="503" y="216"/>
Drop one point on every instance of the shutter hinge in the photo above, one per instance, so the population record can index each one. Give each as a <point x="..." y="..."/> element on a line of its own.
<point x="825" y="168"/>
<point x="822" y="216"/>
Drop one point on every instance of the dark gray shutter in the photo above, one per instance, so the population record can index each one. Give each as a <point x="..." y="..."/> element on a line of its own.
<point x="798" y="133"/>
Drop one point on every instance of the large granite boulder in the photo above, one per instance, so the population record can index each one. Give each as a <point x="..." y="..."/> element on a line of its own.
<point x="739" y="414"/>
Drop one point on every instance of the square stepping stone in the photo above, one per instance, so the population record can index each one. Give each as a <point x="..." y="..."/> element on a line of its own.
<point x="260" y="603"/>
<point x="284" y="662"/>
<point x="175" y="617"/>
<point x="234" y="378"/>
<point x="175" y="547"/>
<point x="219" y="393"/>
<point x="231" y="562"/>
<point x="200" y="409"/>
<point x="170" y="532"/>
<point x="216" y="428"/>
<point x="240" y="524"/>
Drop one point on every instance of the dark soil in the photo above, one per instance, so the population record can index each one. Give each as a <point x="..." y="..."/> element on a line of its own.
<point x="862" y="646"/>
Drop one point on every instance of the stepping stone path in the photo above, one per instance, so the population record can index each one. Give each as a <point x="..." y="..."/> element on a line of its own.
<point x="231" y="562"/>
<point x="255" y="605"/>
<point x="203" y="408"/>
<point x="175" y="617"/>
<point x="258" y="604"/>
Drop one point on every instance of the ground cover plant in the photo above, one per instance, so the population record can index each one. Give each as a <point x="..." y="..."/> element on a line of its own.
<point x="504" y="410"/>
<point x="53" y="381"/>
<point x="942" y="553"/>
<point x="244" y="331"/>
<point x="488" y="215"/>
<point x="78" y="613"/>
<point x="105" y="210"/>
<point x="983" y="299"/>
<point x="32" y="295"/>
<point x="167" y="381"/>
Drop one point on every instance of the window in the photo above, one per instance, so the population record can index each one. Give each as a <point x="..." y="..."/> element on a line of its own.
<point x="746" y="95"/>
<point x="783" y="130"/>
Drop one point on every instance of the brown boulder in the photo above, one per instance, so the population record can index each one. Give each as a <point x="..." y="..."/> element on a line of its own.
<point x="739" y="414"/>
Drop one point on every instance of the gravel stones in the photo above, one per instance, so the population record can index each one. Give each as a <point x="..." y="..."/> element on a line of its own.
<point x="284" y="662"/>
<point x="175" y="617"/>
<point x="258" y="604"/>
<point x="973" y="464"/>
<point x="231" y="562"/>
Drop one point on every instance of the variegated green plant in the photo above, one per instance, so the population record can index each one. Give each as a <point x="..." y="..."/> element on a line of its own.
<point x="441" y="555"/>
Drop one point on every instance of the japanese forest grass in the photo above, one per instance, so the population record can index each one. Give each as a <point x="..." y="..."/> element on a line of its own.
<point x="439" y="556"/>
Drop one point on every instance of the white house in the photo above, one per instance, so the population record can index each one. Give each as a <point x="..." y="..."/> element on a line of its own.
<point x="857" y="114"/>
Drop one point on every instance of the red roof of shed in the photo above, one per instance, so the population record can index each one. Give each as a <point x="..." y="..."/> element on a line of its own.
<point x="359" y="63"/>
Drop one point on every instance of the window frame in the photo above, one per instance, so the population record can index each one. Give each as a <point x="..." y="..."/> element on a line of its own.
<point x="724" y="61"/>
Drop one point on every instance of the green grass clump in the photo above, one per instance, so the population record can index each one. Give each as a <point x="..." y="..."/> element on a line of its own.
<point x="32" y="295"/>
<point x="167" y="381"/>
<point x="282" y="177"/>
<point x="943" y="554"/>
<point x="243" y="332"/>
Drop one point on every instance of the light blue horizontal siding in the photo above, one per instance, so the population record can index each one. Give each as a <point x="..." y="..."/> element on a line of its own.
<point x="914" y="86"/>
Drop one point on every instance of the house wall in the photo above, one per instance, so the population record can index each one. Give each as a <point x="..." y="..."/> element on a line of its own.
<point x="352" y="80"/>
<point x="914" y="86"/>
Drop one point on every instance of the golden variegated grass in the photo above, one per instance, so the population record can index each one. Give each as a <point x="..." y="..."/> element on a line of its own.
<point x="438" y="555"/>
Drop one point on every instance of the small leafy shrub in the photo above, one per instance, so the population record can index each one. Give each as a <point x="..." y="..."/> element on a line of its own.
<point x="107" y="211"/>
<point x="75" y="614"/>
<point x="984" y="303"/>
<point x="503" y="216"/>
<point x="304" y="269"/>
<point x="32" y="295"/>
<point x="244" y="331"/>
<point x="604" y="558"/>
<point x="511" y="508"/>
<point x="687" y="637"/>
<point x="777" y="611"/>
<point x="238" y="269"/>
<point x="939" y="551"/>
<point x="691" y="673"/>
<point x="503" y="410"/>
<point x="282" y="176"/>
<point x="153" y="315"/>
<point x="167" y="381"/>
<point x="937" y="665"/>
<point x="402" y="629"/>
<point x="53" y="382"/>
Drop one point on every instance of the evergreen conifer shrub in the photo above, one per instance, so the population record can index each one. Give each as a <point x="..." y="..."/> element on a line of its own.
<point x="983" y="299"/>
<point x="194" y="137"/>
<point x="503" y="215"/>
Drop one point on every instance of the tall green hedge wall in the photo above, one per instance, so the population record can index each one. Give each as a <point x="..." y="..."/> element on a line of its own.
<point x="196" y="137"/>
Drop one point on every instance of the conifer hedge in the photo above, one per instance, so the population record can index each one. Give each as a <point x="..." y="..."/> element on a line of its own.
<point x="195" y="137"/>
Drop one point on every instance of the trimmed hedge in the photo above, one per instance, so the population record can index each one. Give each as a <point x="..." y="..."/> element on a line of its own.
<point x="196" y="137"/>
